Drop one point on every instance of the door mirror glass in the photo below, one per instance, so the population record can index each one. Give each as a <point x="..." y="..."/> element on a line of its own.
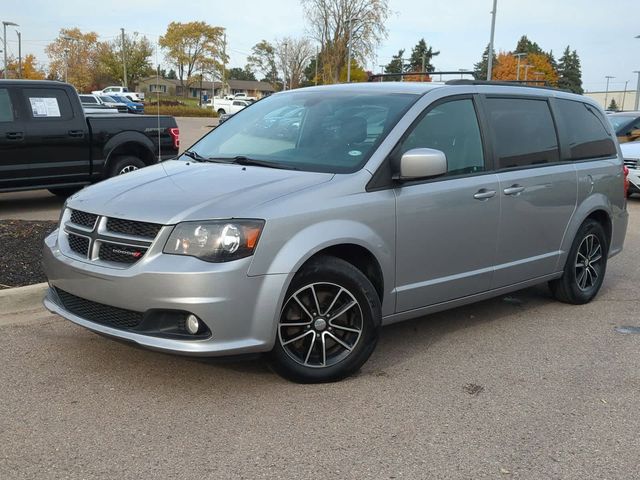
<point x="422" y="163"/>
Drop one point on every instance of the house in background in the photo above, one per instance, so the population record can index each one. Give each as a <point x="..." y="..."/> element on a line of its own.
<point x="169" y="87"/>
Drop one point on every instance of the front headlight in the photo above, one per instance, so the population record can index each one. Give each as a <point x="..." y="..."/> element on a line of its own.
<point x="216" y="240"/>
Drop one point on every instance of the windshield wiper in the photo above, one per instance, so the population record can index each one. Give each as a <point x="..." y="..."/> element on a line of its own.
<point x="243" y="160"/>
<point x="195" y="156"/>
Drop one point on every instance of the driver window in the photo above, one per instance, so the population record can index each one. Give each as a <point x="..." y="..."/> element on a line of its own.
<point x="452" y="128"/>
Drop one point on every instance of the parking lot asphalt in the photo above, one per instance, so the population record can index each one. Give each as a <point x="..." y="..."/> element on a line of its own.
<point x="42" y="205"/>
<point x="514" y="387"/>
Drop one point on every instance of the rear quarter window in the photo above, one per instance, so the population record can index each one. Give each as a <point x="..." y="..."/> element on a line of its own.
<point x="585" y="131"/>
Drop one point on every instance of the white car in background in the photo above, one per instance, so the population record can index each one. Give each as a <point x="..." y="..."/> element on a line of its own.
<point x="121" y="91"/>
<point x="222" y="105"/>
<point x="631" y="155"/>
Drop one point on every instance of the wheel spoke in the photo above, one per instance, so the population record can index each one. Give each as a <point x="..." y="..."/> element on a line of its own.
<point x="595" y="252"/>
<point x="296" y="324"/>
<point x="315" y="299"/>
<point x="346" y="329"/>
<point x="324" y="349"/>
<point x="593" y="272"/>
<point x="333" y="302"/>
<point x="595" y="259"/>
<point x="582" y="256"/>
<point x="313" y="342"/>
<point x="582" y="278"/>
<point x="344" y="309"/>
<point x="304" y="309"/>
<point x="588" y="279"/>
<point x="336" y="339"/>
<point x="302" y="335"/>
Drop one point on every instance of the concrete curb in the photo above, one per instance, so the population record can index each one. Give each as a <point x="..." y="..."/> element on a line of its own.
<point x="20" y="299"/>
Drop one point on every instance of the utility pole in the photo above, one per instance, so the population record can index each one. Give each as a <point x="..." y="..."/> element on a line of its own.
<point x="224" y="65"/>
<point x="635" y="107"/>
<point x="606" y="93"/>
<point x="317" y="59"/>
<point x="349" y="39"/>
<point x="624" y="95"/>
<point x="284" y="68"/>
<point x="4" y="43"/>
<point x="19" y="54"/>
<point x="124" y="60"/>
<point x="518" y="66"/>
<point x="66" y="64"/>
<point x="493" y="31"/>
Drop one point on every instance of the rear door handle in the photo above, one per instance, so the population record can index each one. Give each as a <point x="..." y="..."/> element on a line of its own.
<point x="513" y="190"/>
<point x="15" y="135"/>
<point x="484" y="194"/>
<point x="76" y="133"/>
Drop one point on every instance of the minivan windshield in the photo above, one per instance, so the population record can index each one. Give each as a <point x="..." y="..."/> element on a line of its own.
<point x="317" y="131"/>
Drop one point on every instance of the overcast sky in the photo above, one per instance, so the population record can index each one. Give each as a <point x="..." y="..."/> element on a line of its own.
<point x="603" y="34"/>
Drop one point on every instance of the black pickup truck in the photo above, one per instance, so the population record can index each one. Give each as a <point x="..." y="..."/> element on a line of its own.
<point x="46" y="140"/>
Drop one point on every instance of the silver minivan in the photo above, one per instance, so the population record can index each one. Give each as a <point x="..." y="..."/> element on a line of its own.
<point x="301" y="235"/>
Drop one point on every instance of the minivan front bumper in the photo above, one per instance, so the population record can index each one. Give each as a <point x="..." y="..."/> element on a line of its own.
<point x="240" y="310"/>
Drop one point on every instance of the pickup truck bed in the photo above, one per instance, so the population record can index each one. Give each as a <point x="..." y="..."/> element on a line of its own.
<point x="46" y="140"/>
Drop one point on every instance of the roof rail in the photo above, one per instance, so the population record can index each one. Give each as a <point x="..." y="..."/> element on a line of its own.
<point x="512" y="83"/>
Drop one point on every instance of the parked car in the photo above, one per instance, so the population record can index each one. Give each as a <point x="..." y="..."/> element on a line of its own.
<point x="224" y="117"/>
<point x="304" y="247"/>
<point x="244" y="96"/>
<point x="132" y="107"/>
<point x="47" y="141"/>
<point x="93" y="104"/>
<point x="117" y="90"/>
<point x="631" y="155"/>
<point x="111" y="102"/>
<point x="626" y="125"/>
<point x="223" y="106"/>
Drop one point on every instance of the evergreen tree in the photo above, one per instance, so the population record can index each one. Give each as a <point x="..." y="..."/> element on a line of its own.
<point x="420" y="52"/>
<point x="527" y="46"/>
<point x="396" y="65"/>
<point x="172" y="74"/>
<point x="480" y="68"/>
<point x="613" y="106"/>
<point x="569" y="72"/>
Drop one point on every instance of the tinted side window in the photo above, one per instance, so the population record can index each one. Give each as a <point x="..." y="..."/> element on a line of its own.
<point x="47" y="104"/>
<point x="524" y="132"/>
<point x="6" y="109"/>
<point x="585" y="131"/>
<point x="451" y="127"/>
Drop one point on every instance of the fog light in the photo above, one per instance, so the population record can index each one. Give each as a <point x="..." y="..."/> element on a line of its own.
<point x="192" y="324"/>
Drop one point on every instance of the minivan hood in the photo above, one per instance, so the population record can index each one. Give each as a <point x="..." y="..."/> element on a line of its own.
<point x="176" y="191"/>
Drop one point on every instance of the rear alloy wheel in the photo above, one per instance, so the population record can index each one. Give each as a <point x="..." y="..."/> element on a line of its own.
<point x="329" y="324"/>
<point x="125" y="164"/>
<point x="586" y="266"/>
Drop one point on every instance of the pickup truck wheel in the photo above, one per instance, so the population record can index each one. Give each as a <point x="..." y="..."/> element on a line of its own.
<point x="221" y="111"/>
<point x="124" y="165"/>
<point x="329" y="324"/>
<point x="586" y="266"/>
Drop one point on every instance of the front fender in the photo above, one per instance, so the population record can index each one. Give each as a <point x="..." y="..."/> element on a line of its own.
<point x="307" y="242"/>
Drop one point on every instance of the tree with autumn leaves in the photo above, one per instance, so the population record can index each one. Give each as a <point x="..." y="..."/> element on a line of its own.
<point x="533" y="67"/>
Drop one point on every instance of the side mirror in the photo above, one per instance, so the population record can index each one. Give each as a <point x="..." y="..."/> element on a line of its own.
<point x="422" y="163"/>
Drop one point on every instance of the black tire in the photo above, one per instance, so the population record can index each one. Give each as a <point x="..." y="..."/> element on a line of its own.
<point x="124" y="164"/>
<point x="336" y="285"/>
<point x="221" y="111"/>
<point x="64" y="192"/>
<point x="580" y="284"/>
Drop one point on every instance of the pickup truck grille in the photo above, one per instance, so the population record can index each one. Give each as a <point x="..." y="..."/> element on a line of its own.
<point x="632" y="163"/>
<point x="99" y="313"/>
<point x="113" y="241"/>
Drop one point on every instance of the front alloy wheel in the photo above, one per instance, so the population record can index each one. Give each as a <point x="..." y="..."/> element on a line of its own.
<point x="329" y="323"/>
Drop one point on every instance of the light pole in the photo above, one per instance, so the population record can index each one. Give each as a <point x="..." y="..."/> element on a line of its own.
<point x="351" y="20"/>
<point x="624" y="95"/>
<point x="4" y="42"/>
<point x="606" y="93"/>
<point x="19" y="54"/>
<point x="635" y="107"/>
<point x="66" y="57"/>
<point x="124" y="60"/>
<point x="526" y="71"/>
<point x="284" y="69"/>
<point x="518" y="65"/>
<point x="493" y="31"/>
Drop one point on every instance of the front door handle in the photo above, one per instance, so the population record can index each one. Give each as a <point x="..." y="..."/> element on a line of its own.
<point x="484" y="194"/>
<point x="15" y="135"/>
<point x="76" y="133"/>
<point x="513" y="190"/>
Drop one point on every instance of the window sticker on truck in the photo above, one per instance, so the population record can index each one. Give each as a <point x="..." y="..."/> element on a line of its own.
<point x="45" y="107"/>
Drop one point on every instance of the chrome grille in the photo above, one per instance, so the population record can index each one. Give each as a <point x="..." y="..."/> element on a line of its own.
<point x="99" y="313"/>
<point x="84" y="219"/>
<point x="128" y="227"/>
<point x="111" y="240"/>
<point x="632" y="163"/>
